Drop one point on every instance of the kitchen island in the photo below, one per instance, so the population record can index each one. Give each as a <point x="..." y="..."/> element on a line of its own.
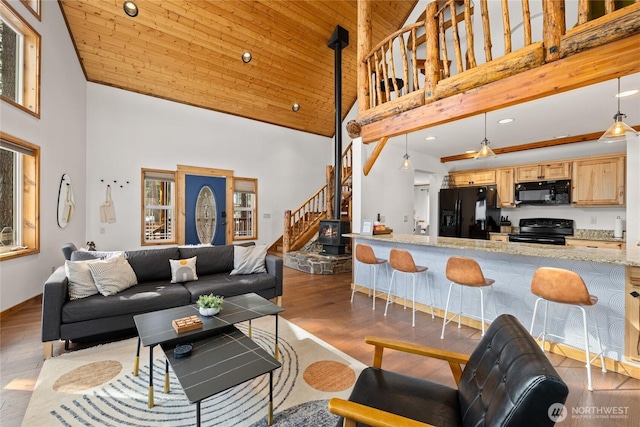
<point x="608" y="273"/>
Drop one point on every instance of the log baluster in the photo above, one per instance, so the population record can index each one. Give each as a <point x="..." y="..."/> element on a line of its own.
<point x="526" y="19"/>
<point x="471" y="56"/>
<point x="486" y="29"/>
<point x="506" y="24"/>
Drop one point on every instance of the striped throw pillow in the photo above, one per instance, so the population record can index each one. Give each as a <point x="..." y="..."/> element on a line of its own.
<point x="113" y="275"/>
<point x="81" y="283"/>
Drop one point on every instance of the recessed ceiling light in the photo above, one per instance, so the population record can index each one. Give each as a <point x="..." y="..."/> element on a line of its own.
<point x="627" y="93"/>
<point x="469" y="151"/>
<point x="560" y="136"/>
<point x="505" y="121"/>
<point x="130" y="8"/>
<point x="430" y="138"/>
<point x="246" y="57"/>
<point x="295" y="107"/>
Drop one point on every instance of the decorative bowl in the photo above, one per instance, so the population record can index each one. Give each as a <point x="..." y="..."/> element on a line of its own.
<point x="209" y="311"/>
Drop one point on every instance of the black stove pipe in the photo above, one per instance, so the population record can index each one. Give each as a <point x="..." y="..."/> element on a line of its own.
<point x="339" y="40"/>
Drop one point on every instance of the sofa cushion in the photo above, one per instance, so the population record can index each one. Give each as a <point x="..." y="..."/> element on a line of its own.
<point x="152" y="265"/>
<point x="183" y="270"/>
<point x="112" y="275"/>
<point x="228" y="286"/>
<point x="89" y="255"/>
<point x="248" y="260"/>
<point x="141" y="298"/>
<point x="211" y="259"/>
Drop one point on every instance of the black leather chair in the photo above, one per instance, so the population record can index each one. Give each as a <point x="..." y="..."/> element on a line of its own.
<point x="506" y="381"/>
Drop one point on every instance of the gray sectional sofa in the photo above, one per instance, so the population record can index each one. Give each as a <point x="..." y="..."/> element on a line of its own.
<point x="78" y="319"/>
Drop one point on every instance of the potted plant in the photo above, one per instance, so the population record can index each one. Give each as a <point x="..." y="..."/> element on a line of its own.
<point x="209" y="305"/>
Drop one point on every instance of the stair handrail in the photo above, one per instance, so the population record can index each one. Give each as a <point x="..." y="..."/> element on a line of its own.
<point x="299" y="223"/>
<point x="308" y="214"/>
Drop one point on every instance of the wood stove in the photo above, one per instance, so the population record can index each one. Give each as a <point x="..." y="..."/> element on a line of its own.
<point x="330" y="236"/>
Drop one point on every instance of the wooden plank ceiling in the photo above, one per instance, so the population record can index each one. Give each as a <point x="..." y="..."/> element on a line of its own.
<point x="190" y="52"/>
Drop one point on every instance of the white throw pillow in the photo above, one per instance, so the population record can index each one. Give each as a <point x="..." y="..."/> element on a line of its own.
<point x="113" y="275"/>
<point x="249" y="259"/>
<point x="183" y="270"/>
<point x="81" y="283"/>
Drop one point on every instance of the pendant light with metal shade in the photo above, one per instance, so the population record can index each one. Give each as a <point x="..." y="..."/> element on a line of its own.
<point x="485" y="151"/>
<point x="406" y="163"/>
<point x="619" y="130"/>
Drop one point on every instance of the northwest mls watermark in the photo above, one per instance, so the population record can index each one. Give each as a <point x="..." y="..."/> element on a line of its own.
<point x="558" y="412"/>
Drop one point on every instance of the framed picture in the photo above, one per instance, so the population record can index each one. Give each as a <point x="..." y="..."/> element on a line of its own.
<point x="367" y="227"/>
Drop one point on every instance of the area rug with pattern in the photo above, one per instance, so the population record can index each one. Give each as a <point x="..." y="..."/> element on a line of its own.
<point x="96" y="386"/>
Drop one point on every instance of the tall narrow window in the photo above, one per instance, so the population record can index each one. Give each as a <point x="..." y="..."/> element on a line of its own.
<point x="158" y="194"/>
<point x="19" y="61"/>
<point x="245" y="204"/>
<point x="19" y="197"/>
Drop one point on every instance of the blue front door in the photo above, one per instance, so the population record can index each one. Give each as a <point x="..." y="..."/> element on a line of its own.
<point x="205" y="210"/>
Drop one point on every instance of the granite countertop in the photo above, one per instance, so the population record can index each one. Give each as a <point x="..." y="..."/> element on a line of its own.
<point x="610" y="256"/>
<point x="580" y="234"/>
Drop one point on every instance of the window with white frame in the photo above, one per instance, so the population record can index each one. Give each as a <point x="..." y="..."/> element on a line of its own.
<point x="245" y="208"/>
<point x="19" y="197"/>
<point x="19" y="61"/>
<point x="158" y="201"/>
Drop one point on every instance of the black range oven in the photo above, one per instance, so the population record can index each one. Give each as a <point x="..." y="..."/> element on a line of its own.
<point x="543" y="231"/>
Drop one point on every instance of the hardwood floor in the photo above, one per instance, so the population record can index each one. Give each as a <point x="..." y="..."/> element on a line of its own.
<point x="320" y="304"/>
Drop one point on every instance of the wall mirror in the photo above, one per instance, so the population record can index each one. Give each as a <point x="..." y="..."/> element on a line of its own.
<point x="66" y="204"/>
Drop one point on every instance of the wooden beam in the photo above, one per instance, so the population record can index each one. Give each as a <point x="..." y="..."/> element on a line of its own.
<point x="533" y="145"/>
<point x="617" y="59"/>
<point x="374" y="155"/>
<point x="605" y="29"/>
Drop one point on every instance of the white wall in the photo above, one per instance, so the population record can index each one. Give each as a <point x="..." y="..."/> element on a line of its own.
<point x="127" y="131"/>
<point x="389" y="191"/>
<point x="633" y="193"/>
<point x="60" y="133"/>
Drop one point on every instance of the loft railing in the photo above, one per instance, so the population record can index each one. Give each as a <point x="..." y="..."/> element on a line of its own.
<point x="301" y="224"/>
<point x="435" y="57"/>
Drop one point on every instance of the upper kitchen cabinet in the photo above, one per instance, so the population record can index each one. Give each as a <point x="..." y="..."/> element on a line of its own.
<point x="599" y="181"/>
<point x="543" y="172"/>
<point x="506" y="189"/>
<point x="478" y="177"/>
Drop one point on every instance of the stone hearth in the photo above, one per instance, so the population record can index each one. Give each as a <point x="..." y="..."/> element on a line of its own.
<point x="310" y="261"/>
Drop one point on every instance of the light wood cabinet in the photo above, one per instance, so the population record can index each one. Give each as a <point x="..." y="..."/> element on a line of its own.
<point x="632" y="314"/>
<point x="600" y="244"/>
<point x="498" y="237"/>
<point x="506" y="189"/>
<point x="478" y="177"/>
<point x="599" y="181"/>
<point x="543" y="172"/>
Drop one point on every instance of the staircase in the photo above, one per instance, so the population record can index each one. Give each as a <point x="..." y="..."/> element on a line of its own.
<point x="301" y="225"/>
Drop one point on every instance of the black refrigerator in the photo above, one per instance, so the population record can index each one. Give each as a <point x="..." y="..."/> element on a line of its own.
<point x="469" y="212"/>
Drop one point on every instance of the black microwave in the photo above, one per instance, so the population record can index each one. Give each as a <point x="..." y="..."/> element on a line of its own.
<point x="543" y="193"/>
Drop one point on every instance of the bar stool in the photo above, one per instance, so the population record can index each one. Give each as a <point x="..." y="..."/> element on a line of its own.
<point x="365" y="255"/>
<point x="402" y="262"/>
<point x="465" y="272"/>
<point x="565" y="287"/>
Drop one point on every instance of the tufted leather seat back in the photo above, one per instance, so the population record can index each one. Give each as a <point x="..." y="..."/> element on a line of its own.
<point x="508" y="380"/>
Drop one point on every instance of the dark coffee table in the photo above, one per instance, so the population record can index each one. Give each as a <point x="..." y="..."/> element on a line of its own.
<point x="155" y="327"/>
<point x="219" y="362"/>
